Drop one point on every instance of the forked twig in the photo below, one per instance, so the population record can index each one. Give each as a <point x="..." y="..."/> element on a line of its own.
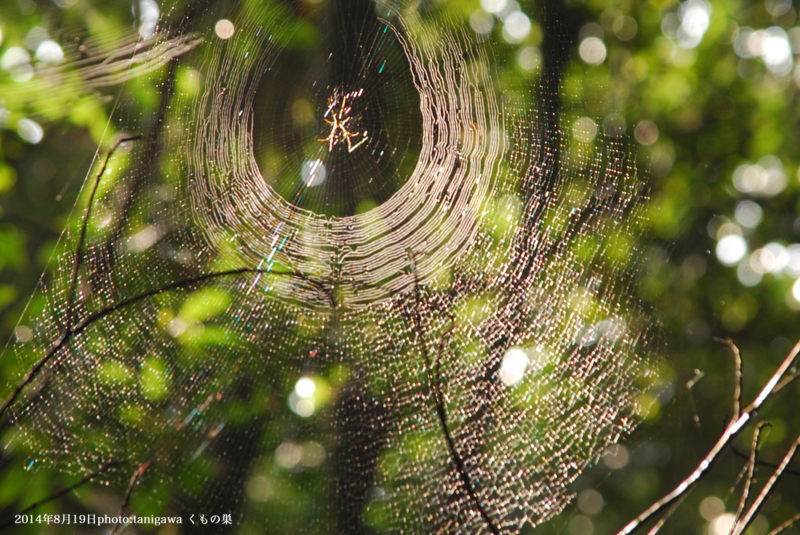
<point x="732" y="430"/>
<point x="744" y="523"/>
<point x="71" y="330"/>
<point x="73" y="281"/>
<point x="136" y="475"/>
<point x="751" y="467"/>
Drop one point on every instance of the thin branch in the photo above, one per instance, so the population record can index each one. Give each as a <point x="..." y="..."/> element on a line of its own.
<point x="91" y="318"/>
<point x="739" y="476"/>
<point x="73" y="282"/>
<point x="434" y="387"/>
<point x="737" y="387"/>
<point x="786" y="525"/>
<point x="663" y="520"/>
<point x="698" y="374"/>
<point x="446" y="336"/>
<point x="731" y="431"/>
<point x="765" y="492"/>
<point x="73" y="276"/>
<point x="751" y="467"/>
<point x="759" y="462"/>
<point x="59" y="493"/>
<point x="789" y="379"/>
<point x="154" y="133"/>
<point x="136" y="475"/>
<point x="72" y="332"/>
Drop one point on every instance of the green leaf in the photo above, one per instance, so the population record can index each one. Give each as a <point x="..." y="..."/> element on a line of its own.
<point x="205" y="304"/>
<point x="154" y="379"/>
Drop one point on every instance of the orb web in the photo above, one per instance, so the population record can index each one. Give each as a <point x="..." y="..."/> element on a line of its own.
<point x="333" y="299"/>
<point x="436" y="206"/>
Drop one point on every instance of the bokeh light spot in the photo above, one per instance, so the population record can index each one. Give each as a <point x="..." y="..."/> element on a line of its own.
<point x="766" y="178"/>
<point x="614" y="125"/>
<point x="305" y="387"/>
<point x="313" y="173"/>
<point x="580" y="525"/>
<point x="288" y="454"/>
<point x="730" y="249"/>
<point x="529" y="58"/>
<point x="748" y="214"/>
<point x="481" y="22"/>
<point x="616" y="457"/>
<point x="592" y="51"/>
<point x="30" y="131"/>
<point x="513" y="367"/>
<point x="688" y="25"/>
<point x="224" y="29"/>
<point x="517" y="26"/>
<point x="494" y="6"/>
<point x="625" y="28"/>
<point x="722" y="524"/>
<point x="711" y="507"/>
<point x="590" y="502"/>
<point x="746" y="274"/>
<point x="49" y="51"/>
<point x="584" y="130"/>
<point x="14" y="57"/>
<point x="646" y="132"/>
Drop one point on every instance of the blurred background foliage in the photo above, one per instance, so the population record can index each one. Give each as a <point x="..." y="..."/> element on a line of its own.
<point x="708" y="92"/>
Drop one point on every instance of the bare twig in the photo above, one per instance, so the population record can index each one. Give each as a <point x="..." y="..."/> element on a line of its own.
<point x="739" y="477"/>
<point x="435" y="391"/>
<point x="660" y="524"/>
<point x="760" y="462"/>
<point x="751" y="467"/>
<point x="698" y="374"/>
<point x="737" y="388"/>
<point x="136" y="475"/>
<point x="786" y="525"/>
<point x="786" y="381"/>
<point x="765" y="492"/>
<point x="730" y="432"/>
<point x="73" y="280"/>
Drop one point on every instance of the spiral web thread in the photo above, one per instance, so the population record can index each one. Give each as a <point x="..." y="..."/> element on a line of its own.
<point x="473" y="340"/>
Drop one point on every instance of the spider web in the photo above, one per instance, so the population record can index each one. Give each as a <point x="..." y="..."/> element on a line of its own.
<point x="344" y="278"/>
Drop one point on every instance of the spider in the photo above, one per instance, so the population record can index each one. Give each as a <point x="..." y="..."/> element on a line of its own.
<point x="338" y="122"/>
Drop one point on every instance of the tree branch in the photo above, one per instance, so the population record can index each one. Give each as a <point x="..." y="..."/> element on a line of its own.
<point x="743" y="524"/>
<point x="732" y="430"/>
<point x="136" y="475"/>
<point x="434" y="388"/>
<point x="71" y="332"/>
<point x="73" y="282"/>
